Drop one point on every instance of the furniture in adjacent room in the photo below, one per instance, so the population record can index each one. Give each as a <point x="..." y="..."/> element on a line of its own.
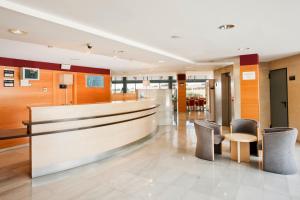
<point x="209" y="139"/>
<point x="247" y="126"/>
<point x="239" y="146"/>
<point x="278" y="146"/>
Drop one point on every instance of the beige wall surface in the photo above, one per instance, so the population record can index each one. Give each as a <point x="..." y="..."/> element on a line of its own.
<point x="264" y="96"/>
<point x="293" y="68"/>
<point x="237" y="89"/>
<point x="218" y="91"/>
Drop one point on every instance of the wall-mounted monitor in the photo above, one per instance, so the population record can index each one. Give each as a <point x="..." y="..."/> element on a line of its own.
<point x="93" y="81"/>
<point x="30" y="73"/>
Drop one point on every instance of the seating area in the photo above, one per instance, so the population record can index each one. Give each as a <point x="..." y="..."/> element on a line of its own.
<point x="277" y="144"/>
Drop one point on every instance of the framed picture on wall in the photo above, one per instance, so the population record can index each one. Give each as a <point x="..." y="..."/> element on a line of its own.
<point x="9" y="83"/>
<point x="94" y="81"/>
<point x="9" y="73"/>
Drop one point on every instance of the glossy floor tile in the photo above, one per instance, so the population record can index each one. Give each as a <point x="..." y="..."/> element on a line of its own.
<point x="162" y="168"/>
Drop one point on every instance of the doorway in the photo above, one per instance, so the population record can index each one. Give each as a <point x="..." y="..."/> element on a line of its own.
<point x="226" y="99"/>
<point x="63" y="93"/>
<point x="279" y="98"/>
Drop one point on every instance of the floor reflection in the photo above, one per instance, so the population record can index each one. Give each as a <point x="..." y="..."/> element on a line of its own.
<point x="162" y="168"/>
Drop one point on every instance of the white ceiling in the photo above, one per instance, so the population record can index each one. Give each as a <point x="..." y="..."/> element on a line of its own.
<point x="142" y="28"/>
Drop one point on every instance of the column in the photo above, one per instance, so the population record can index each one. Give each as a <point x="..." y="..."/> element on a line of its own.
<point x="181" y="93"/>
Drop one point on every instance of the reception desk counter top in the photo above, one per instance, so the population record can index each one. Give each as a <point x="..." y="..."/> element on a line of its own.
<point x="63" y="137"/>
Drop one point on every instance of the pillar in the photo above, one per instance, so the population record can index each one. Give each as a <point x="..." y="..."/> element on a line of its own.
<point x="249" y="86"/>
<point x="181" y="93"/>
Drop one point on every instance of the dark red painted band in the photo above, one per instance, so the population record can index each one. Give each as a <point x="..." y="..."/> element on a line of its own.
<point x="11" y="62"/>
<point x="251" y="59"/>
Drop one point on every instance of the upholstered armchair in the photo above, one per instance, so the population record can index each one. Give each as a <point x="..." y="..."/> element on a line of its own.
<point x="246" y="126"/>
<point x="209" y="139"/>
<point x="278" y="145"/>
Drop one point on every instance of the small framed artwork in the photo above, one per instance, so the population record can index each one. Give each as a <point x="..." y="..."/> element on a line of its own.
<point x="9" y="83"/>
<point x="9" y="73"/>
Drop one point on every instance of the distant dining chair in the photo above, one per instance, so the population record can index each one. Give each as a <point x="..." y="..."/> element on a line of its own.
<point x="278" y="145"/>
<point x="192" y="104"/>
<point x="188" y="104"/>
<point x="209" y="139"/>
<point x="201" y="104"/>
<point x="246" y="126"/>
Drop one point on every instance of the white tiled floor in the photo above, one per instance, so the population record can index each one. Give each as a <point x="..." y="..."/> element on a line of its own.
<point x="162" y="168"/>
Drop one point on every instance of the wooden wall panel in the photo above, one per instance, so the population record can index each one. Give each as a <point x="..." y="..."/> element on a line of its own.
<point x="123" y="97"/>
<point x="181" y="93"/>
<point x="92" y="95"/>
<point x="250" y="93"/>
<point x="46" y="91"/>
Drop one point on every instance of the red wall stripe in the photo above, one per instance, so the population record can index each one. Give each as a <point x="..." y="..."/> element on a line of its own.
<point x="50" y="66"/>
<point x="251" y="59"/>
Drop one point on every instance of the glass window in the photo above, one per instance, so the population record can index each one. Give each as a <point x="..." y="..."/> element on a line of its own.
<point x="195" y="89"/>
<point x="118" y="87"/>
<point x="164" y="86"/>
<point x="154" y="86"/>
<point x="139" y="86"/>
<point x="113" y="87"/>
<point x="130" y="87"/>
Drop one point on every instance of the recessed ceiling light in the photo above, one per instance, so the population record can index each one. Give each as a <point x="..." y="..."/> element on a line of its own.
<point x="244" y="49"/>
<point x="175" y="37"/>
<point x="226" y="26"/>
<point x="119" y="51"/>
<point x="17" y="31"/>
<point x="161" y="61"/>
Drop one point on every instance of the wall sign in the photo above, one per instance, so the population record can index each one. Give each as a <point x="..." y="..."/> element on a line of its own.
<point x="9" y="73"/>
<point x="249" y="76"/>
<point x="93" y="81"/>
<point x="9" y="83"/>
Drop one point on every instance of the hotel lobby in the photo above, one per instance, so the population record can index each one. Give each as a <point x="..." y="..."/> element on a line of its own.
<point x="154" y="99"/>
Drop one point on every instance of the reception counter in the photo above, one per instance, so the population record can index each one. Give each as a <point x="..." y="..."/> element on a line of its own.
<point x="63" y="137"/>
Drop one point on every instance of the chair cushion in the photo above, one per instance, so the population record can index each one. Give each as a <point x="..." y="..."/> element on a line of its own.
<point x="218" y="139"/>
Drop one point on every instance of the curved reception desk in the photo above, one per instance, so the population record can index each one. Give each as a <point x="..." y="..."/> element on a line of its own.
<point x="63" y="137"/>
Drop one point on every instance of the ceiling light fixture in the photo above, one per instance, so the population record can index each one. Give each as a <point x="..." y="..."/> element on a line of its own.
<point x="226" y="26"/>
<point x="17" y="31"/>
<point x="244" y="49"/>
<point x="87" y="29"/>
<point x="118" y="51"/>
<point x="161" y="61"/>
<point x="175" y="37"/>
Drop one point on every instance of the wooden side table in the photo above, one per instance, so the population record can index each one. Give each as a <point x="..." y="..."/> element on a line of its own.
<point x="239" y="145"/>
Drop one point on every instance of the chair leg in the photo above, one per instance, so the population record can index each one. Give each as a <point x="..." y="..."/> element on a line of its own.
<point x="218" y="148"/>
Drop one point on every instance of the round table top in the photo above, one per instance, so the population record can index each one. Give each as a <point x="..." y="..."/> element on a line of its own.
<point x="240" y="137"/>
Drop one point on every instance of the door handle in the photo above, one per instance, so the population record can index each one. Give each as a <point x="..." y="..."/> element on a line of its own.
<point x="284" y="103"/>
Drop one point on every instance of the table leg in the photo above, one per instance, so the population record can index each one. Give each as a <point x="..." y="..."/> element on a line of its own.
<point x="239" y="151"/>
